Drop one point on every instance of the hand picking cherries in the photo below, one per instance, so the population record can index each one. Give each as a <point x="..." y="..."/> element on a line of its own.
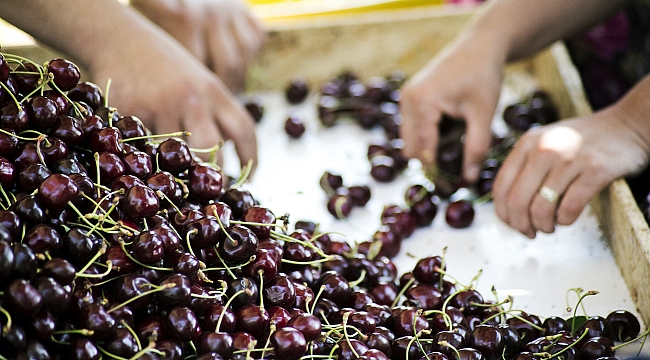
<point x="116" y="243"/>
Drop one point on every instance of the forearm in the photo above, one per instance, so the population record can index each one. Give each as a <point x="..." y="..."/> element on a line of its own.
<point x="523" y="27"/>
<point x="90" y="32"/>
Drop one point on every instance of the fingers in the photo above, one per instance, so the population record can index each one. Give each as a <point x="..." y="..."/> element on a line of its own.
<point x="237" y="125"/>
<point x="419" y="129"/>
<point x="477" y="142"/>
<point x="506" y="177"/>
<point x="225" y="57"/>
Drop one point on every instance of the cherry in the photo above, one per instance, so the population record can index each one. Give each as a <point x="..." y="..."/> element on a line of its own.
<point x="27" y="77"/>
<point x="252" y="319"/>
<point x="165" y="182"/>
<point x="326" y="308"/>
<point x="56" y="191"/>
<point x="218" y="342"/>
<point x="138" y="164"/>
<point x="54" y="150"/>
<point x="488" y="340"/>
<point x="239" y="200"/>
<point x="598" y="326"/>
<point x="42" y="112"/>
<point x="384" y="293"/>
<point x="8" y="143"/>
<point x="297" y="90"/>
<point x="425" y="296"/>
<point x="140" y="202"/>
<point x="125" y="182"/>
<point x="43" y="238"/>
<point x="203" y="233"/>
<point x="171" y="348"/>
<point x="340" y="206"/>
<point x="66" y="74"/>
<point x="68" y="167"/>
<point x="553" y="325"/>
<point x="294" y="127"/>
<point x="265" y="261"/>
<point x="426" y="269"/>
<point x="459" y="214"/>
<point x="26" y="155"/>
<point x="597" y="347"/>
<point x="239" y="246"/>
<point x="336" y="287"/>
<point x="383" y="168"/>
<point x="331" y="182"/>
<point x="524" y="328"/>
<point x="110" y="167"/>
<point x="511" y="340"/>
<point x="280" y="291"/>
<point x="122" y="343"/>
<point x="83" y="349"/>
<point x="68" y="129"/>
<point x="408" y="322"/>
<point x="381" y="342"/>
<point x="246" y="298"/>
<point x="205" y="183"/>
<point x="360" y="299"/>
<point x="23" y="297"/>
<point x="255" y="109"/>
<point x="29" y="210"/>
<point x="121" y="263"/>
<point x="359" y="194"/>
<point x="7" y="173"/>
<point x="260" y="215"/>
<point x="87" y="92"/>
<point x="307" y="324"/>
<point x="174" y="155"/>
<point x="182" y="324"/>
<point x="288" y="343"/>
<point x="178" y="295"/>
<point x="14" y="117"/>
<point x="108" y="139"/>
<point x="148" y="247"/>
<point x="79" y="246"/>
<point x="624" y="324"/>
<point x="94" y="317"/>
<point x="403" y="349"/>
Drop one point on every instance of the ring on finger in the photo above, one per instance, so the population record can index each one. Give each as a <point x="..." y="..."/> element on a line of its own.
<point x="549" y="194"/>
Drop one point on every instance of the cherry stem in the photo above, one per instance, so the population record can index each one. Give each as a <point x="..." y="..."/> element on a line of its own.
<point x="225" y="307"/>
<point x="109" y="268"/>
<point x="358" y="281"/>
<point x="418" y="333"/>
<point x="128" y="328"/>
<point x="644" y="336"/>
<point x="588" y="293"/>
<point x="187" y="239"/>
<point x="539" y="328"/>
<point x="453" y="348"/>
<point x="149" y="348"/>
<point x="84" y="332"/>
<point x="246" y="171"/>
<point x="8" y="91"/>
<point x="326" y="259"/>
<point x="276" y="235"/>
<point x="347" y="338"/>
<point x="154" y="136"/>
<point x="216" y="251"/>
<point x="566" y="348"/>
<point x="144" y="293"/>
<point x="401" y="292"/>
<point x="40" y="87"/>
<point x="108" y="88"/>
<point x="245" y="351"/>
<point x="4" y="194"/>
<point x="7" y="327"/>
<point x="320" y="291"/>
<point x="223" y="228"/>
<point x="260" y="272"/>
<point x="445" y="317"/>
<point x="268" y="339"/>
<point x="250" y="260"/>
<point x="99" y="253"/>
<point x="74" y="105"/>
<point x="19" y="137"/>
<point x="123" y="246"/>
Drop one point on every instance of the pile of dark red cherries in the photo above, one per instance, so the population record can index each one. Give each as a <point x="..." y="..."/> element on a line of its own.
<point x="119" y="244"/>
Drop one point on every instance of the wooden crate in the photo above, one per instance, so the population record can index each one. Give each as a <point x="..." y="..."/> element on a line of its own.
<point x="376" y="43"/>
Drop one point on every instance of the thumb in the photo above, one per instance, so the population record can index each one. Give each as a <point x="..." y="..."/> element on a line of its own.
<point x="478" y="138"/>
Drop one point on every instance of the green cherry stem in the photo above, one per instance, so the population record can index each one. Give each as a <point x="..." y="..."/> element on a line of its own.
<point x="401" y="292"/>
<point x="145" y="293"/>
<point x="225" y="307"/>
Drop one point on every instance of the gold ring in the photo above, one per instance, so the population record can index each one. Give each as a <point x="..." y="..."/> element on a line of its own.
<point x="549" y="194"/>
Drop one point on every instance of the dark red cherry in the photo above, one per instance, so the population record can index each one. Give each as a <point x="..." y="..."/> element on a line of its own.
<point x="148" y="247"/>
<point x="66" y="74"/>
<point x="553" y="325"/>
<point x="89" y="93"/>
<point x="239" y="246"/>
<point x="459" y="214"/>
<point x="598" y="326"/>
<point x="384" y="293"/>
<point x="255" y="109"/>
<point x="260" y="215"/>
<point x="359" y="194"/>
<point x="597" y="347"/>
<point x="408" y="319"/>
<point x="307" y="324"/>
<point x="174" y="155"/>
<point x="425" y="210"/>
<point x="8" y="143"/>
<point x="488" y="340"/>
<point x="383" y="168"/>
<point x="94" y="317"/>
<point x="14" y="117"/>
<point x="68" y="129"/>
<point x="239" y="200"/>
<point x="53" y="150"/>
<point x="182" y="324"/>
<point x="340" y="206"/>
<point x="297" y="90"/>
<point x="425" y="296"/>
<point x="203" y="233"/>
<point x="56" y="191"/>
<point x="289" y="343"/>
<point x="42" y="113"/>
<point x="526" y="331"/>
<point x="29" y="209"/>
<point x="280" y="291"/>
<point x="264" y="261"/>
<point x="138" y="164"/>
<point x="107" y="139"/>
<point x="23" y="298"/>
<point x="468" y="301"/>
<point x="27" y="76"/>
<point x="294" y="127"/>
<point x="331" y="182"/>
<point x="252" y="319"/>
<point x="7" y="173"/>
<point x="43" y="238"/>
<point x="217" y="342"/>
<point x="205" y="183"/>
<point x="211" y="318"/>
<point x="350" y="350"/>
<point x="121" y="263"/>
<point x="79" y="246"/>
<point x="426" y="269"/>
<point x="68" y="167"/>
<point x="123" y="343"/>
<point x="166" y="183"/>
<point x="83" y="349"/>
<point x="624" y="324"/>
<point x="180" y="292"/>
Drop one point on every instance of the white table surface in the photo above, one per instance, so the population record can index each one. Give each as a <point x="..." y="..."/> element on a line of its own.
<point x="537" y="273"/>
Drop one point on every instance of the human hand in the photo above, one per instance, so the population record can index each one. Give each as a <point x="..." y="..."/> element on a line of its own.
<point x="575" y="158"/>
<point x="463" y="82"/>
<point x="221" y="33"/>
<point x="170" y="91"/>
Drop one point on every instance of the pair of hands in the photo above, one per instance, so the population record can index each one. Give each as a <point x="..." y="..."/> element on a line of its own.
<point x="187" y="82"/>
<point x="575" y="157"/>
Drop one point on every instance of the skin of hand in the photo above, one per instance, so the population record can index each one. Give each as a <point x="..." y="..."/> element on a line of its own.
<point x="223" y="34"/>
<point x="153" y="76"/>
<point x="575" y="157"/>
<point x="461" y="82"/>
